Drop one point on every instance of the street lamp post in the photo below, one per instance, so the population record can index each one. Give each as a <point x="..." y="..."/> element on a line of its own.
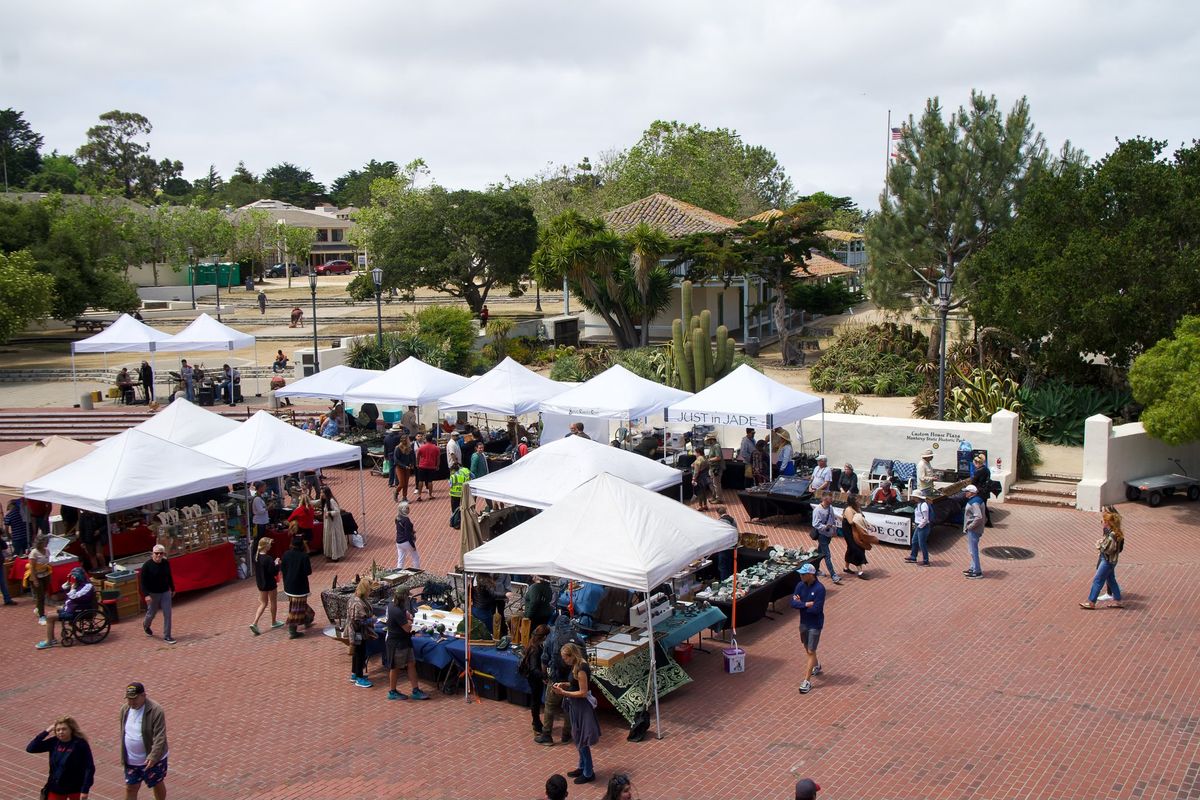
<point x="192" y="275"/>
<point x="944" y="286"/>
<point x="377" y="276"/>
<point x="312" y="286"/>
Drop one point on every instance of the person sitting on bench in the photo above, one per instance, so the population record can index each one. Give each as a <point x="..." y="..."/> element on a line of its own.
<point x="125" y="384"/>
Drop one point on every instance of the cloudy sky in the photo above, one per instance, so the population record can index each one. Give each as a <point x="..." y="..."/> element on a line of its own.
<point x="484" y="90"/>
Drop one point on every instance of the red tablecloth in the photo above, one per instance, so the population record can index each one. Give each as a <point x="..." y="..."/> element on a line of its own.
<point x="127" y="542"/>
<point x="58" y="572"/>
<point x="204" y="568"/>
<point x="282" y="540"/>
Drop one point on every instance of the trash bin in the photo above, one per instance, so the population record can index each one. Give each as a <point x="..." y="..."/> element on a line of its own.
<point x="85" y="401"/>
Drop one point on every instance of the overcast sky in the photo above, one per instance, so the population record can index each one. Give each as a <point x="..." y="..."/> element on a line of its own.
<point x="484" y="90"/>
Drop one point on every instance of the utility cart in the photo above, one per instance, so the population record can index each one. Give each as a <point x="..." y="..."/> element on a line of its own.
<point x="1155" y="487"/>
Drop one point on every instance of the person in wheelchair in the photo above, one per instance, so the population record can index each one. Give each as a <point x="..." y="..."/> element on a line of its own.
<point x="81" y="597"/>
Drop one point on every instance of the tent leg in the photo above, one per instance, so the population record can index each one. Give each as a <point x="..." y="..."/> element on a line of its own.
<point x="250" y="554"/>
<point x="108" y="530"/>
<point x="653" y="669"/>
<point x="257" y="371"/>
<point x="362" y="494"/>
<point x="74" y="380"/>
<point x="467" y="639"/>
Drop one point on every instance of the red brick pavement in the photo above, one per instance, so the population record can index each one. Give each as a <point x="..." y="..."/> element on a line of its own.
<point x="935" y="687"/>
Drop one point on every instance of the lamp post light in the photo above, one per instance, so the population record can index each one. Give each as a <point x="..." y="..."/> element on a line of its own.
<point x="944" y="285"/>
<point x="377" y="276"/>
<point x="312" y="286"/>
<point x="192" y="274"/>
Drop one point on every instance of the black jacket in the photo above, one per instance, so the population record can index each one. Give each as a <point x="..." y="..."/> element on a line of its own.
<point x="296" y="568"/>
<point x="71" y="767"/>
<point x="156" y="578"/>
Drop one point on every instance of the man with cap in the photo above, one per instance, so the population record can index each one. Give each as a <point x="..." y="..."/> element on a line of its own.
<point x="809" y="599"/>
<point x="806" y="789"/>
<point x="925" y="474"/>
<point x="822" y="477"/>
<point x="973" y="521"/>
<point x="143" y="743"/>
<point x="982" y="478"/>
<point x="746" y="448"/>
<point x="922" y="522"/>
<point x="716" y="464"/>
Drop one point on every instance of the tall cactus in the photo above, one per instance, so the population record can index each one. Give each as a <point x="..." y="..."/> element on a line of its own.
<point x="697" y="360"/>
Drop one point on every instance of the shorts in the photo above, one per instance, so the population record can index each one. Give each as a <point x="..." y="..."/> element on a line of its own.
<point x="151" y="777"/>
<point x="810" y="637"/>
<point x="67" y="616"/>
<point x="396" y="654"/>
<point x="426" y="475"/>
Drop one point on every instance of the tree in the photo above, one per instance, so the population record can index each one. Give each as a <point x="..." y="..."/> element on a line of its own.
<point x="242" y="188"/>
<point x="713" y="169"/>
<point x="955" y="184"/>
<point x="823" y="298"/>
<point x="198" y="233"/>
<point x="291" y="184"/>
<point x="87" y="250"/>
<point x="354" y="188"/>
<point x="297" y="244"/>
<point x="19" y="146"/>
<point x="25" y="294"/>
<point x="1103" y="259"/>
<point x="1164" y="381"/>
<point x="462" y="243"/>
<point x="57" y="174"/>
<point x="113" y="158"/>
<point x="845" y="215"/>
<point x="255" y="238"/>
<point x="647" y="247"/>
<point x="151" y="236"/>
<point x="582" y="188"/>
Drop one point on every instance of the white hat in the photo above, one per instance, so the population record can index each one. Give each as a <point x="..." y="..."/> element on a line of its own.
<point x="918" y="493"/>
<point x="927" y="454"/>
<point x="822" y="457"/>
<point x="970" y="489"/>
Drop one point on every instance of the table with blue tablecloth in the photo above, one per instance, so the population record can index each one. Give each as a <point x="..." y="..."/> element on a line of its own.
<point x="429" y="649"/>
<point x="679" y="627"/>
<point x="501" y="664"/>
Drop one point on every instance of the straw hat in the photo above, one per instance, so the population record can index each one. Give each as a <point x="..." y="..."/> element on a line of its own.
<point x="783" y="434"/>
<point x="712" y="437"/>
<point x="927" y="454"/>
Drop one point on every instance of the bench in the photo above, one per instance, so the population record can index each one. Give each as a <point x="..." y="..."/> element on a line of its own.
<point x="91" y="325"/>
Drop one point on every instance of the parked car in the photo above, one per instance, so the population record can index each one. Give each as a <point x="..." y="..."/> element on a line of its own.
<point x="280" y="271"/>
<point x="335" y="267"/>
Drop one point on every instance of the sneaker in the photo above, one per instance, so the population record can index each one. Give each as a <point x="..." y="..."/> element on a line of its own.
<point x="353" y="677"/>
<point x="46" y="644"/>
<point x="805" y="687"/>
<point x="575" y="773"/>
<point x="170" y="640"/>
<point x="394" y="695"/>
<point x="968" y="571"/>
<point x="275" y="625"/>
<point x="836" y="579"/>
<point x="975" y="575"/>
<point x="363" y="683"/>
<point x="910" y="560"/>
<point x="41" y="620"/>
<point x="544" y="738"/>
<point x="10" y="602"/>
<point x="816" y="670"/>
<point x="254" y="629"/>
<point x="147" y="631"/>
<point x="585" y="779"/>
<point x="1104" y="597"/>
<point x="417" y="694"/>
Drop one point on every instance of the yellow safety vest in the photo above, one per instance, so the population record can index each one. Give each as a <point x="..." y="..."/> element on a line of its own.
<point x="458" y="479"/>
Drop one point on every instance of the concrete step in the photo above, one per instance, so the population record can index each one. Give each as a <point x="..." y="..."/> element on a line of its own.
<point x="86" y="426"/>
<point x="1043" y="493"/>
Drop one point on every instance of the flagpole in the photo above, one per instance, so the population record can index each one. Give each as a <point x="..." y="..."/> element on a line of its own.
<point x="887" y="156"/>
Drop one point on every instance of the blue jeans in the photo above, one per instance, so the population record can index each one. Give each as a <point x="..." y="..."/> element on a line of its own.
<point x="823" y="552"/>
<point x="1106" y="573"/>
<point x="4" y="588"/>
<point x="189" y="391"/>
<point x="920" y="539"/>
<point x="585" y="760"/>
<point x="973" y="547"/>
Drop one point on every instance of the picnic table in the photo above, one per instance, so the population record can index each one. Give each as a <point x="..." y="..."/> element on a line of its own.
<point x="89" y="324"/>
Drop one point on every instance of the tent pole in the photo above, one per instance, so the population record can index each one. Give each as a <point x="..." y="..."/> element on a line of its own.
<point x="250" y="556"/>
<point x="108" y="530"/>
<point x="362" y="492"/>
<point x="74" y="380"/>
<point x="257" y="370"/>
<point x="823" y="426"/>
<point x="653" y="667"/>
<point x="467" y="639"/>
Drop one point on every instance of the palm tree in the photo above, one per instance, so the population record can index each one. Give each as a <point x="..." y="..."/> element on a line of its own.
<point x="647" y="245"/>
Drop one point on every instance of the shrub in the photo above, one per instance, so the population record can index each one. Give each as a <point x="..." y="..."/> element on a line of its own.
<point x="879" y="359"/>
<point x="1055" y="411"/>
<point x="438" y="335"/>
<point x="452" y="330"/>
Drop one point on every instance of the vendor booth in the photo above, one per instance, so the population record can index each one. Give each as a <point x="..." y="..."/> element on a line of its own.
<point x="614" y="396"/>
<point x="21" y="466"/>
<point x="332" y="383"/>
<point x="412" y="382"/>
<point x="185" y="423"/>
<point x="507" y="389"/>
<point x="205" y="333"/>
<point x="611" y="532"/>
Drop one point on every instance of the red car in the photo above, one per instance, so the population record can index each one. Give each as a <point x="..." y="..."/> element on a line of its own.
<point x="337" y="267"/>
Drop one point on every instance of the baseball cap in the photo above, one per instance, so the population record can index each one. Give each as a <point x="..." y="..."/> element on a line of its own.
<point x="970" y="489"/>
<point x="808" y="569"/>
<point x="134" y="689"/>
<point x="807" y="789"/>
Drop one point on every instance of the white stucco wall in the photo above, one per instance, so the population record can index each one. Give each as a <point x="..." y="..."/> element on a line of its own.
<point x="1115" y="454"/>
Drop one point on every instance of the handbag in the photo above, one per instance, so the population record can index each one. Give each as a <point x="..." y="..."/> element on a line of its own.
<point x="387" y="466"/>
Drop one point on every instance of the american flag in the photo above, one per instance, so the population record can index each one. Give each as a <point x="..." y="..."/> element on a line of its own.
<point x="895" y="134"/>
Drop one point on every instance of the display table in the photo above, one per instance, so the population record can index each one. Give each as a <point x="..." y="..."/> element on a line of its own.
<point x="59" y="571"/>
<point x="681" y="627"/>
<point x="501" y="664"/>
<point x="198" y="569"/>
<point x="282" y="540"/>
<point x="624" y="684"/>
<point x="760" y="505"/>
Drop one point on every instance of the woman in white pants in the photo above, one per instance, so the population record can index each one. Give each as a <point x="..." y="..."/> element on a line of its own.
<point x="406" y="538"/>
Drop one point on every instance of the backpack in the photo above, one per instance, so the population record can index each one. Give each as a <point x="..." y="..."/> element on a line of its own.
<point x="456" y="518"/>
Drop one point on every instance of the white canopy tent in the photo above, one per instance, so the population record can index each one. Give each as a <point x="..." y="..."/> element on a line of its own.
<point x="125" y="335"/>
<point x="746" y="398"/>
<point x="508" y="389"/>
<point x="550" y="472"/>
<point x="334" y="382"/>
<point x="615" y="394"/>
<point x="266" y="447"/>
<point x="206" y="333"/>
<point x="185" y="423"/>
<point x="611" y="532"/>
<point x="412" y="382"/>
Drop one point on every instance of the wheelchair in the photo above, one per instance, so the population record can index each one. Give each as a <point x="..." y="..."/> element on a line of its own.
<point x="88" y="627"/>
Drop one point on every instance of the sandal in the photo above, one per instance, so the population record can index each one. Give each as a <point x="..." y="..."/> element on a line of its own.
<point x="1116" y="604"/>
<point x="1087" y="606"/>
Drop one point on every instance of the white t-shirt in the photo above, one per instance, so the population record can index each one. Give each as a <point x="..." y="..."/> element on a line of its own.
<point x="258" y="509"/>
<point x="135" y="746"/>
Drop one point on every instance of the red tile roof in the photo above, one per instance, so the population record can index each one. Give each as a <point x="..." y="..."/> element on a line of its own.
<point x="673" y="217"/>
<point x="819" y="266"/>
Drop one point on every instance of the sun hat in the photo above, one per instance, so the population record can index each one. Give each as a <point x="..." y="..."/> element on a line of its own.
<point x="918" y="493"/>
<point x="927" y="454"/>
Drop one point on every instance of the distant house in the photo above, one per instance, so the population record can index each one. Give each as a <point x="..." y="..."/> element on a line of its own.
<point x="849" y="248"/>
<point x="332" y="225"/>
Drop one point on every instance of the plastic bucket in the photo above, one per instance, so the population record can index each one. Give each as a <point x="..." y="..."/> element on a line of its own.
<point x="682" y="653"/>
<point x="735" y="660"/>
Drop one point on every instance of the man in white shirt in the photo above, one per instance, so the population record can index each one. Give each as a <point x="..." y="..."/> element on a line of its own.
<point x="822" y="477"/>
<point x="259" y="516"/>
<point x="143" y="743"/>
<point x="453" y="450"/>
<point x="746" y="448"/>
<point x="925" y="474"/>
<point x="922" y="522"/>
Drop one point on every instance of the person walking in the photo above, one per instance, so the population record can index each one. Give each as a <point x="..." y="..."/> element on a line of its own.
<point x="460" y="476"/>
<point x="533" y="671"/>
<point x="859" y="539"/>
<point x="266" y="578"/>
<point x="982" y="477"/>
<point x="809" y="599"/>
<point x="576" y="694"/>
<point x="397" y="651"/>
<point x="922" y="523"/>
<point x="360" y="626"/>
<point x="390" y="440"/>
<point x="334" y="534"/>
<point x="143" y="743"/>
<point x="158" y="586"/>
<point x="428" y="459"/>
<point x="146" y="376"/>
<point x="824" y="523"/>
<point x="619" y="788"/>
<point x="406" y="538"/>
<point x="701" y="483"/>
<point x="973" y="522"/>
<point x="72" y="768"/>
<point x="260" y="515"/>
<point x="557" y="671"/>
<point x="296" y="567"/>
<point x="403" y="464"/>
<point x="479" y="465"/>
<point x="37" y="575"/>
<point x="262" y="302"/>
<point x="1110" y="545"/>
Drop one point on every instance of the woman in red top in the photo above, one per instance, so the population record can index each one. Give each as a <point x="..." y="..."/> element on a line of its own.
<point x="429" y="456"/>
<point x="303" y="517"/>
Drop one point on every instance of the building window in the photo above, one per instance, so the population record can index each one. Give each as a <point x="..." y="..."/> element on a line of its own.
<point x="336" y="234"/>
<point x="322" y="235"/>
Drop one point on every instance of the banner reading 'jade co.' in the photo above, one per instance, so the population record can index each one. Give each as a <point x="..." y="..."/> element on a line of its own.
<point x="887" y="527"/>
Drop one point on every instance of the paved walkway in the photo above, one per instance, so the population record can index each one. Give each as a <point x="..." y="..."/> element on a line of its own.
<point x="934" y="687"/>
